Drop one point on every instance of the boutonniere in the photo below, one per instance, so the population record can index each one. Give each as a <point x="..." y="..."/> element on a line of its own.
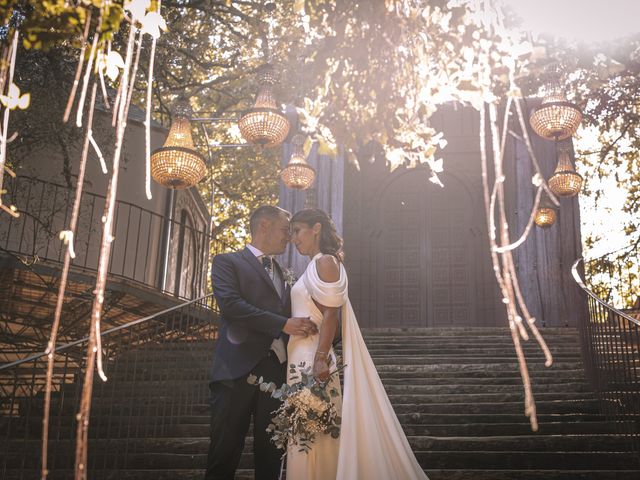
<point x="289" y="277"/>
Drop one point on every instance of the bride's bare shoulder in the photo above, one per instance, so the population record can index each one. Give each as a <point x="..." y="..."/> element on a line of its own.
<point x="328" y="268"/>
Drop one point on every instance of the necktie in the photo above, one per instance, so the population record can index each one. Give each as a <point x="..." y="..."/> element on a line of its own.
<point x="267" y="264"/>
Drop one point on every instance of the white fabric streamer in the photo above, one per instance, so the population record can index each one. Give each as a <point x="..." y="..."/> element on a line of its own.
<point x="95" y="146"/>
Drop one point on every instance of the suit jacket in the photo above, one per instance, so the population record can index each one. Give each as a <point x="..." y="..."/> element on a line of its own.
<point x="252" y="313"/>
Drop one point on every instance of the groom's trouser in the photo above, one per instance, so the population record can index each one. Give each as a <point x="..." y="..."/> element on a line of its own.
<point x="233" y="402"/>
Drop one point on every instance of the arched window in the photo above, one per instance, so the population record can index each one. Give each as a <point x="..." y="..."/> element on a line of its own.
<point x="187" y="263"/>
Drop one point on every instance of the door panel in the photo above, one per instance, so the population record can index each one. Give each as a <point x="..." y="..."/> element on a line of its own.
<point x="426" y="257"/>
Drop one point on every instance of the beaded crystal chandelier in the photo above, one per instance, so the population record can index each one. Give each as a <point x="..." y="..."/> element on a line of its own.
<point x="555" y="118"/>
<point x="546" y="214"/>
<point x="298" y="173"/>
<point x="264" y="124"/>
<point x="178" y="164"/>
<point x="565" y="181"/>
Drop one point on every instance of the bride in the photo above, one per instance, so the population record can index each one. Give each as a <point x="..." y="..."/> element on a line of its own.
<point x="372" y="444"/>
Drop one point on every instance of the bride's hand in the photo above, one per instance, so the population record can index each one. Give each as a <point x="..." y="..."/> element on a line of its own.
<point x="321" y="369"/>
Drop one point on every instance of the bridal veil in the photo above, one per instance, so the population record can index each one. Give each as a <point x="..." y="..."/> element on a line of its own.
<point x="372" y="442"/>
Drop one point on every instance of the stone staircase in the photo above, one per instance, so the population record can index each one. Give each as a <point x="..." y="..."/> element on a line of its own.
<point x="457" y="393"/>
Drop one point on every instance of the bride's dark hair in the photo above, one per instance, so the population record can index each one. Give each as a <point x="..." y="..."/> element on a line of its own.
<point x="330" y="241"/>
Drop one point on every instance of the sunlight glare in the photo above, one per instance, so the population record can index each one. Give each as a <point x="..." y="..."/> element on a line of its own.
<point x="580" y="20"/>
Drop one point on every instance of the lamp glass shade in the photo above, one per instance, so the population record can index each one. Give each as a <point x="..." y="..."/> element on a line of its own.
<point x="178" y="164"/>
<point x="565" y="181"/>
<point x="298" y="174"/>
<point x="555" y="118"/>
<point x="545" y="217"/>
<point x="264" y="124"/>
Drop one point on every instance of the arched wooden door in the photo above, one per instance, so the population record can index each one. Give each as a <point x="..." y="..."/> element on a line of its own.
<point x="427" y="254"/>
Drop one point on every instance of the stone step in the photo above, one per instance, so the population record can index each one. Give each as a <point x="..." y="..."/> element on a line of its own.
<point x="464" y="389"/>
<point x="135" y="428"/>
<point x="412" y="375"/>
<point x="478" y="378"/>
<point x="457" y="393"/>
<point x="147" y="387"/>
<point x="452" y="373"/>
<point x="427" y="418"/>
<point x="549" y="340"/>
<point x="248" y="474"/>
<point x="508" y="362"/>
<point x="461" y="460"/>
<point x="472" y="403"/>
<point x="200" y="445"/>
<point x="462" y="338"/>
<point x="412" y="396"/>
<point x="556" y="345"/>
<point x="500" y="367"/>
<point x="163" y="425"/>
<point x="502" y="333"/>
<point x="473" y="374"/>
<point x="445" y="355"/>
<point x="502" y="397"/>
<point x="532" y="474"/>
<point x="459" y="331"/>
<point x="543" y="406"/>
<point x="480" y="352"/>
<point x="526" y="460"/>
<point x="500" y="429"/>
<point x="460" y="341"/>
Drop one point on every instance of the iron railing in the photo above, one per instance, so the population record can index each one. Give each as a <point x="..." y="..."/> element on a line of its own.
<point x="168" y="255"/>
<point x="143" y="397"/>
<point x="611" y="349"/>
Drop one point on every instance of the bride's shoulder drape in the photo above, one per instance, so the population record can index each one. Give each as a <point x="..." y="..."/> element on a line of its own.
<point x="372" y="442"/>
<point x="329" y="294"/>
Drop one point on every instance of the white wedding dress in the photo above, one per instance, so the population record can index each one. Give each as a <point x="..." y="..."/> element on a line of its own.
<point x="372" y="444"/>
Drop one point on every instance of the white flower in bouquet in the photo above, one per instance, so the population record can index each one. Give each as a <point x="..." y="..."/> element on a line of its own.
<point x="306" y="409"/>
<point x="307" y="400"/>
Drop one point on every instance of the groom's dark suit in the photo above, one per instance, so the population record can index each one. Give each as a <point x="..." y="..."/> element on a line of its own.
<point x="252" y="315"/>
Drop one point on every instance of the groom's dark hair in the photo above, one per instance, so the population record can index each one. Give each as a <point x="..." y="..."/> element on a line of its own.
<point x="265" y="212"/>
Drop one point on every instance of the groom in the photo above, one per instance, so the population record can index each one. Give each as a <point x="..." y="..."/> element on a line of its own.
<point x="255" y="306"/>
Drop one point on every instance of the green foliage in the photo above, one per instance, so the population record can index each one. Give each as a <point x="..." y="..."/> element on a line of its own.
<point x="615" y="278"/>
<point x="604" y="80"/>
<point x="357" y="71"/>
<point x="242" y="181"/>
<point x="210" y="55"/>
<point x="51" y="23"/>
<point x="44" y="74"/>
<point x="306" y="409"/>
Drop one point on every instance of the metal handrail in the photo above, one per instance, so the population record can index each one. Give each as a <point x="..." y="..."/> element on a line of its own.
<point x="582" y="285"/>
<point x="105" y="333"/>
<point x="610" y="341"/>
<point x="135" y="403"/>
<point x="138" y="241"/>
<point x="97" y="195"/>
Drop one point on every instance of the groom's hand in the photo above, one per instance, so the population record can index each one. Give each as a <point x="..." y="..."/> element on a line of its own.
<point x="300" y="326"/>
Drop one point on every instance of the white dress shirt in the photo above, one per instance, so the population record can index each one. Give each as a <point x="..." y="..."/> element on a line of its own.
<point x="278" y="343"/>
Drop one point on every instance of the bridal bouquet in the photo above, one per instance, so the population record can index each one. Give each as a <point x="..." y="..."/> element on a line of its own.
<point x="306" y="409"/>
